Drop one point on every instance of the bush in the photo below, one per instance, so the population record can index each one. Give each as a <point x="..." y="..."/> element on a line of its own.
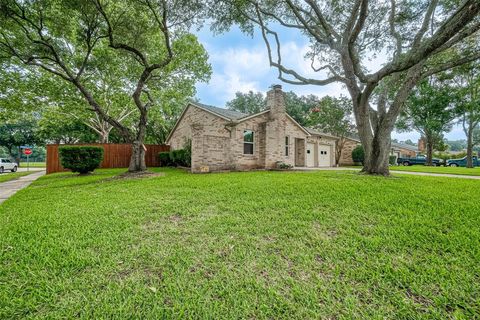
<point x="392" y="160"/>
<point x="165" y="159"/>
<point x="358" y="154"/>
<point x="283" y="166"/>
<point x="177" y="158"/>
<point x="82" y="159"/>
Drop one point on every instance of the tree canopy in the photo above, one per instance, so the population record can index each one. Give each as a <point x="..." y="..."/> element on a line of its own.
<point x="141" y="48"/>
<point x="417" y="39"/>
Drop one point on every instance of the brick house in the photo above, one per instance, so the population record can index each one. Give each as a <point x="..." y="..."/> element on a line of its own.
<point x="223" y="139"/>
<point x="399" y="150"/>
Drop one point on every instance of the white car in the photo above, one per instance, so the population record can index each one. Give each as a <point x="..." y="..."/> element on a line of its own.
<point x="6" y="164"/>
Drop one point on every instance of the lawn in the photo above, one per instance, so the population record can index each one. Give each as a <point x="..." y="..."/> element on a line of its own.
<point x="448" y="170"/>
<point x="33" y="164"/>
<point x="263" y="245"/>
<point x="4" y="177"/>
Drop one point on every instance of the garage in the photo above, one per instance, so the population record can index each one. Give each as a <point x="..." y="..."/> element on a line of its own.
<point x="310" y="155"/>
<point x="324" y="156"/>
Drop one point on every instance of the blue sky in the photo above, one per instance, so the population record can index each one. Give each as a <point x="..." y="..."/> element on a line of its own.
<point x="240" y="63"/>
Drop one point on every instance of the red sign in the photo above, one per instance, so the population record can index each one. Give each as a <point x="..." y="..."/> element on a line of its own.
<point x="27" y="151"/>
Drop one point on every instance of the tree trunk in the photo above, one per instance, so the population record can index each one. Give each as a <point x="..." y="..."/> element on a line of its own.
<point x="429" y="152"/>
<point x="470" y="147"/>
<point x="377" y="152"/>
<point x="339" y="149"/>
<point x="103" y="137"/>
<point x="137" y="160"/>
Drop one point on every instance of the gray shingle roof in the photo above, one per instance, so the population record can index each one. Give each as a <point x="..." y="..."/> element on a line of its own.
<point x="405" y="146"/>
<point x="230" y="114"/>
<point x="393" y="144"/>
<point x="319" y="133"/>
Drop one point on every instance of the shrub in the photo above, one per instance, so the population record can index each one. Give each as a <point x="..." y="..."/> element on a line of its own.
<point x="179" y="158"/>
<point x="283" y="166"/>
<point x="82" y="159"/>
<point x="188" y="153"/>
<point x="392" y="160"/>
<point x="358" y="154"/>
<point x="165" y="159"/>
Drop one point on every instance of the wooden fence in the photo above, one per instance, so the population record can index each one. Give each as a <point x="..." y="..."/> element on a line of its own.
<point x="115" y="155"/>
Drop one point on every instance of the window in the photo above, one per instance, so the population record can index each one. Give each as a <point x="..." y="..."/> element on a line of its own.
<point x="287" y="143"/>
<point x="248" y="142"/>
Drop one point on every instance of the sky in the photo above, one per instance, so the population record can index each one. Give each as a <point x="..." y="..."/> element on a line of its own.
<point x="240" y="63"/>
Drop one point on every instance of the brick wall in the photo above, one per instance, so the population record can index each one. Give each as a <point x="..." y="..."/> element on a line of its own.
<point x="346" y="157"/>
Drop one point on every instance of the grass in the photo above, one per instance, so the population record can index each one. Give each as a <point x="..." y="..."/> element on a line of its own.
<point x="447" y="170"/>
<point x="264" y="245"/>
<point x="34" y="164"/>
<point x="4" y="177"/>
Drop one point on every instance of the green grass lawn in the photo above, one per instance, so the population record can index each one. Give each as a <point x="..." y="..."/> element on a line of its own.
<point x="449" y="170"/>
<point x="34" y="164"/>
<point x="4" y="177"/>
<point x="263" y="245"/>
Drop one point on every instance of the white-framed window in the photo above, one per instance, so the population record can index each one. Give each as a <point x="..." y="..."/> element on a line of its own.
<point x="287" y="146"/>
<point x="248" y="142"/>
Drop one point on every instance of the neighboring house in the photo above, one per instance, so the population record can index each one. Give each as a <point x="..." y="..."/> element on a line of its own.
<point x="223" y="139"/>
<point x="399" y="150"/>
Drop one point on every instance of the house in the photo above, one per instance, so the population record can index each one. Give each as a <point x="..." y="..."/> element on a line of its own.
<point x="399" y="150"/>
<point x="223" y="139"/>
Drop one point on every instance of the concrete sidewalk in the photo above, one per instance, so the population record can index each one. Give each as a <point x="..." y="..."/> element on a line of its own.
<point x="9" y="188"/>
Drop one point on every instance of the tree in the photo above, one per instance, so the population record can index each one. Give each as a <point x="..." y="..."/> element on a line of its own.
<point x="249" y="103"/>
<point x="16" y="133"/>
<point x="476" y="139"/>
<point x="334" y="115"/>
<point x="467" y="78"/>
<point x="430" y="111"/>
<point x="57" y="127"/>
<point x="416" y="38"/>
<point x="410" y="142"/>
<point x="456" y="145"/>
<point x="298" y="107"/>
<point x="75" y="40"/>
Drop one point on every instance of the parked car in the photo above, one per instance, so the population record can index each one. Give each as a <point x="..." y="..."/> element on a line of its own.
<point x="420" y="159"/>
<point x="462" y="162"/>
<point x="6" y="164"/>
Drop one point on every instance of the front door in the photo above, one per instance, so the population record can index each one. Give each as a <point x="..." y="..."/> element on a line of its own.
<point x="324" y="155"/>
<point x="310" y="155"/>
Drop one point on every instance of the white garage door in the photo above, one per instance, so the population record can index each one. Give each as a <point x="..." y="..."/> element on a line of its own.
<point x="310" y="155"/>
<point x="324" y="156"/>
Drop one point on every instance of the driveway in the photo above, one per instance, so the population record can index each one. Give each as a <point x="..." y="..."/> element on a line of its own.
<point x="9" y="188"/>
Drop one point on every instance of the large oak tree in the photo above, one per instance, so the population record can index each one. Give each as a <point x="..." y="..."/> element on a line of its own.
<point x="73" y="40"/>
<point x="415" y="37"/>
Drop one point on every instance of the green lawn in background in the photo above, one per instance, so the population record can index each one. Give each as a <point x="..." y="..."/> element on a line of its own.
<point x="263" y="245"/>
<point x="421" y="168"/>
<point x="33" y="164"/>
<point x="448" y="170"/>
<point x="8" y="176"/>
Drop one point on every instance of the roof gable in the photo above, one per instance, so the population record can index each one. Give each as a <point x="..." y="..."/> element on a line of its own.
<point x="221" y="112"/>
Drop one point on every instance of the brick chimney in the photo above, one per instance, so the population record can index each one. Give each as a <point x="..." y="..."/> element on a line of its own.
<point x="421" y="145"/>
<point x="275" y="101"/>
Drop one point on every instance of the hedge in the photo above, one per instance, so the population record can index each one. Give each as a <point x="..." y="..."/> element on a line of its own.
<point x="358" y="154"/>
<point x="175" y="158"/>
<point x="81" y="159"/>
